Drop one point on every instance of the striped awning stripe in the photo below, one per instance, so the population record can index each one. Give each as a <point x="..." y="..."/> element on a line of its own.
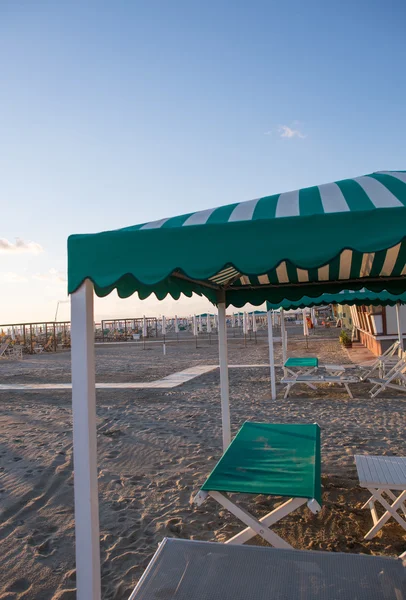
<point x="385" y="189"/>
<point x="321" y="239"/>
<point x="349" y="265"/>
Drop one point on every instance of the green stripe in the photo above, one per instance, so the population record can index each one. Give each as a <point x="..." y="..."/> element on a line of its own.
<point x="254" y="280"/>
<point x="397" y="187"/>
<point x="221" y="215"/>
<point x="273" y="279"/>
<point x="292" y="272"/>
<point x="378" y="263"/>
<point x="176" y="221"/>
<point x="310" y="202"/>
<point x="355" y="196"/>
<point x="313" y="274"/>
<point x="400" y="261"/>
<point x="266" y="207"/>
<point x="334" y="269"/>
<point x="356" y="265"/>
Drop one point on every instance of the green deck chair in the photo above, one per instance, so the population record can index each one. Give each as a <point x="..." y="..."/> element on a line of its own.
<point x="270" y="459"/>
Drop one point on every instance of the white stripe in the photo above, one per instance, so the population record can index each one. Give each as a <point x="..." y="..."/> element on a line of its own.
<point x="199" y="218"/>
<point x="302" y="275"/>
<point x="230" y="271"/>
<point x="243" y="211"/>
<point x="345" y="264"/>
<point x="332" y="198"/>
<point x="263" y="279"/>
<point x="282" y="273"/>
<point x="245" y="280"/>
<point x="366" y="265"/>
<point x="379" y="195"/>
<point x="288" y="205"/>
<point x="323" y="273"/>
<point x="400" y="176"/>
<point x="390" y="260"/>
<point x="154" y="224"/>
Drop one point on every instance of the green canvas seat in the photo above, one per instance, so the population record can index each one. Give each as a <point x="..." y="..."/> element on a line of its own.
<point x="307" y="362"/>
<point x="270" y="459"/>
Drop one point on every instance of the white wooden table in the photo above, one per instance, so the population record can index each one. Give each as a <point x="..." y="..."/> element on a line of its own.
<point x="383" y="475"/>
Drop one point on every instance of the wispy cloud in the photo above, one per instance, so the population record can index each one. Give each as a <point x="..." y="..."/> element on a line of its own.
<point x="10" y="277"/>
<point x="19" y="247"/>
<point x="288" y="132"/>
<point x="52" y="275"/>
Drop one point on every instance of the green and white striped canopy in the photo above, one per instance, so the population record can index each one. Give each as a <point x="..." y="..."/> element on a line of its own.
<point x="322" y="239"/>
<point x="350" y="297"/>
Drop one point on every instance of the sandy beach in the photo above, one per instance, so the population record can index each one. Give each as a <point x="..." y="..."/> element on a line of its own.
<point x="156" y="447"/>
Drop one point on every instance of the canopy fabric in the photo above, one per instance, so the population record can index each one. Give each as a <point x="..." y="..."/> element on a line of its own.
<point x="271" y="459"/>
<point x="306" y="361"/>
<point x="303" y="243"/>
<point x="350" y="297"/>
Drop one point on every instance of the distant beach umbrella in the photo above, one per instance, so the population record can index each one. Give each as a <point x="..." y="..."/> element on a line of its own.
<point x="254" y="323"/>
<point x="195" y="332"/>
<point x="163" y="325"/>
<point x="144" y="327"/>
<point x="176" y="324"/>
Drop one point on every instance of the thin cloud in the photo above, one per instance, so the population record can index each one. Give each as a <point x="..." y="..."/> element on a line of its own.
<point x="288" y="132"/>
<point x="10" y="277"/>
<point x="52" y="275"/>
<point x="19" y="247"/>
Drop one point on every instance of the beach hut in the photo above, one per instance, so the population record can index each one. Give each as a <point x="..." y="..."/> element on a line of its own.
<point x="343" y="235"/>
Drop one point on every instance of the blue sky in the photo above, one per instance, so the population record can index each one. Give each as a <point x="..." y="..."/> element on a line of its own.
<point x="116" y="113"/>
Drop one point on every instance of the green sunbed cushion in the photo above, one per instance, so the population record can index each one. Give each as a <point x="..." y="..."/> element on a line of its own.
<point x="310" y="361"/>
<point x="271" y="459"/>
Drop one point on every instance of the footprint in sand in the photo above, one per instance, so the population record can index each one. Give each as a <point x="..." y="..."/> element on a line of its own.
<point x="45" y="549"/>
<point x="19" y="585"/>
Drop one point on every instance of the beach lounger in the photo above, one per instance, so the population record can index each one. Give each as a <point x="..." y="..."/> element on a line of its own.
<point x="344" y="380"/>
<point x="14" y="352"/>
<point x="382" y="476"/>
<point x="396" y="374"/>
<point x="271" y="459"/>
<point x="3" y="349"/>
<point x="384" y="362"/>
<point x="295" y="365"/>
<point x="194" y="570"/>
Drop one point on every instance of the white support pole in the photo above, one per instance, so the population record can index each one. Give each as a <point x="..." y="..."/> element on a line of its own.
<point x="85" y="445"/>
<point x="271" y="355"/>
<point x="224" y="387"/>
<point x="284" y="336"/>
<point x="399" y="322"/>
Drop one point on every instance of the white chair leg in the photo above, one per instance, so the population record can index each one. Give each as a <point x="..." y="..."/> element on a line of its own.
<point x="270" y="519"/>
<point x="390" y="512"/>
<point x="256" y="526"/>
